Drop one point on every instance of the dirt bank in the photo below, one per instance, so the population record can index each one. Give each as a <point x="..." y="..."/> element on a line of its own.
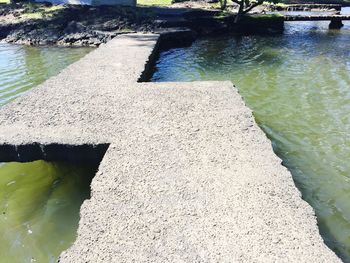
<point x="70" y="25"/>
<point x="91" y="26"/>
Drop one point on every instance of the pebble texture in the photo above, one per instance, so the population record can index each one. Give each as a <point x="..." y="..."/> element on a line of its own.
<point x="188" y="175"/>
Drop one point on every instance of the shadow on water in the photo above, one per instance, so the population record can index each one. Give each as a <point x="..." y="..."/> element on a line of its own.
<point x="297" y="84"/>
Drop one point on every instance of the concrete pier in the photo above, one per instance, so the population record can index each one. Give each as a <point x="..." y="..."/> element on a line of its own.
<point x="188" y="175"/>
<point x="335" y="20"/>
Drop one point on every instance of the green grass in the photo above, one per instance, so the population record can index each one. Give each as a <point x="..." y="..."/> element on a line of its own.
<point x="4" y="1"/>
<point x="267" y="16"/>
<point x="152" y="2"/>
<point x="263" y="18"/>
<point x="275" y="4"/>
<point x="222" y="15"/>
<point x="34" y="11"/>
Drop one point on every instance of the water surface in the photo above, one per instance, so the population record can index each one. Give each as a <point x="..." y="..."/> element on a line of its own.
<point x="39" y="201"/>
<point x="23" y="67"/>
<point x="298" y="85"/>
<point x="39" y="208"/>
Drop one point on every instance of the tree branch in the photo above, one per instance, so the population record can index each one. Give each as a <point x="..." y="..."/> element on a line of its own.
<point x="252" y="6"/>
<point x="236" y="1"/>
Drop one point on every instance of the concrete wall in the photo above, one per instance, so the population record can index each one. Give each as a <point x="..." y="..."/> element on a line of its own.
<point x="92" y="2"/>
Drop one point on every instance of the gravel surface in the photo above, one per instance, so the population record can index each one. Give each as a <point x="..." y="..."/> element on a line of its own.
<point x="188" y="175"/>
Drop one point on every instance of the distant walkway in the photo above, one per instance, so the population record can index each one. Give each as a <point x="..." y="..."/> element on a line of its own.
<point x="316" y="17"/>
<point x="335" y="20"/>
<point x="310" y="7"/>
<point x="188" y="175"/>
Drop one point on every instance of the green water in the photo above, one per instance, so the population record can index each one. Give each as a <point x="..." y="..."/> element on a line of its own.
<point x="39" y="205"/>
<point x="23" y="67"/>
<point x="298" y="86"/>
<point x="39" y="201"/>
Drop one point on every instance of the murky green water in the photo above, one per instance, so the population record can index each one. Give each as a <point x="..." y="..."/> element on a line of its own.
<point x="39" y="201"/>
<point x="298" y="85"/>
<point x="39" y="209"/>
<point x="23" y="67"/>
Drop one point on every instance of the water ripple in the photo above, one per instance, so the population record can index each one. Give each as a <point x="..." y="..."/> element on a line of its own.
<point x="22" y="68"/>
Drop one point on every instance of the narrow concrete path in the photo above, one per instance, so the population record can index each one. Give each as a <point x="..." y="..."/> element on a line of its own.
<point x="188" y="175"/>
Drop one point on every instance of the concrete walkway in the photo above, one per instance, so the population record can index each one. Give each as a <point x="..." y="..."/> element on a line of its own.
<point x="188" y="175"/>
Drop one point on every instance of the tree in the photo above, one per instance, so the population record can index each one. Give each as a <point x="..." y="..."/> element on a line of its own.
<point x="223" y="4"/>
<point x="244" y="6"/>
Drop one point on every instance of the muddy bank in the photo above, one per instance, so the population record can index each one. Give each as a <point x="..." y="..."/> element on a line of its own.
<point x="71" y="25"/>
<point x="92" y="26"/>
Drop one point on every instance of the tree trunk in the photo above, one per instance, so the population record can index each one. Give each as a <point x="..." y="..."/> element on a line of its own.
<point x="240" y="11"/>
<point x="223" y="4"/>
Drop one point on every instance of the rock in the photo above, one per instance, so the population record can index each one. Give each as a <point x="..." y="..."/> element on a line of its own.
<point x="111" y="25"/>
<point x="5" y="30"/>
<point x="82" y="39"/>
<point x="336" y="24"/>
<point x="73" y="27"/>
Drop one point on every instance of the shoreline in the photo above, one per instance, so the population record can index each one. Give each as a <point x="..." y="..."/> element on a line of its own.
<point x="71" y="25"/>
<point x="45" y="25"/>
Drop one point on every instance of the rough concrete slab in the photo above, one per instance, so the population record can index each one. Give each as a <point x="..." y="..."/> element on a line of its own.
<point x="66" y="107"/>
<point x="188" y="175"/>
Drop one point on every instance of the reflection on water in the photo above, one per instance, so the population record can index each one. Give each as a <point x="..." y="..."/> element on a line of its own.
<point x="39" y="201"/>
<point x="39" y="209"/>
<point x="298" y="85"/>
<point x="23" y="67"/>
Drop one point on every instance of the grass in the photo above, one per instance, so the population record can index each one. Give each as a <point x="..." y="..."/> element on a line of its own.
<point x="264" y="18"/>
<point x="222" y="15"/>
<point x="34" y="11"/>
<point x="268" y="16"/>
<point x="276" y="4"/>
<point x="152" y="2"/>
